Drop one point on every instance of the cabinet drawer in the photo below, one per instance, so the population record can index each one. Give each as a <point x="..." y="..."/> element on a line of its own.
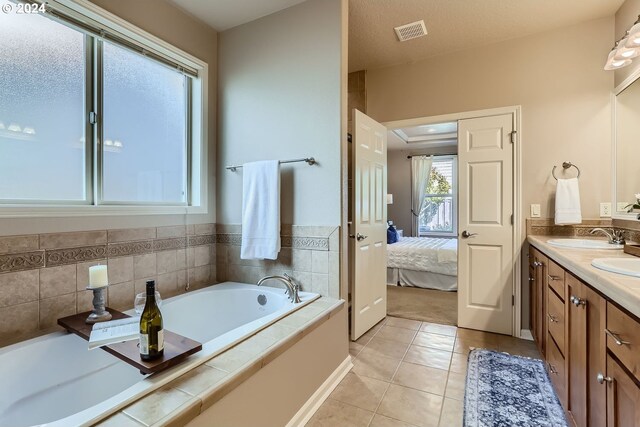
<point x="556" y="369"/>
<point x="555" y="278"/>
<point x="555" y="319"/>
<point x="623" y="338"/>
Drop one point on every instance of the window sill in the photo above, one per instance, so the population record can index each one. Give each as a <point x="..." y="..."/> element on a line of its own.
<point x="27" y="211"/>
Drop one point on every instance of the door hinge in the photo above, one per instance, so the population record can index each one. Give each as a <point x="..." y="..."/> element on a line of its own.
<point x="511" y="219"/>
<point x="514" y="136"/>
<point x="513" y="300"/>
<point x="93" y="117"/>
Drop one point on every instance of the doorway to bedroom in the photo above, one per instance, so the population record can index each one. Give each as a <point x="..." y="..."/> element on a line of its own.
<point x="422" y="186"/>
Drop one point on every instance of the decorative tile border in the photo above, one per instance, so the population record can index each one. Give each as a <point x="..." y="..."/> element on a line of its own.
<point x="294" y="242"/>
<point x="23" y="261"/>
<point x="199" y="240"/>
<point x="129" y="248"/>
<point x="169" y="244"/>
<point x="547" y="227"/>
<point x="74" y="255"/>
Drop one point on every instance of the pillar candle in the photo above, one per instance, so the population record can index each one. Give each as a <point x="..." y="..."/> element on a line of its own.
<point x="98" y="276"/>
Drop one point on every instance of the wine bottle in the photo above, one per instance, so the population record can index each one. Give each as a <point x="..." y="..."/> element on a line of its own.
<point x="151" y="331"/>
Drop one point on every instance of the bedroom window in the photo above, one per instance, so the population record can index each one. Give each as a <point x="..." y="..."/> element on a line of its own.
<point x="438" y="216"/>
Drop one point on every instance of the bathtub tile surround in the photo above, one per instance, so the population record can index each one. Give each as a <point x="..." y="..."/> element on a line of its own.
<point x="310" y="254"/>
<point x="184" y="398"/>
<point x="43" y="276"/>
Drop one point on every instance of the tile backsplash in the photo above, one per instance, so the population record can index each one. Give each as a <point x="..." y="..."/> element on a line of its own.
<point x="43" y="277"/>
<point x="547" y="227"/>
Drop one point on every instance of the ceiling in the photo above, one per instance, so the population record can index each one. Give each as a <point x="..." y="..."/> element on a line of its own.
<point x="225" y="14"/>
<point x="454" y="25"/>
<point x="425" y="136"/>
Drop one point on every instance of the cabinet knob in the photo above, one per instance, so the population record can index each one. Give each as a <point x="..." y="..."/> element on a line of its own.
<point x="555" y="278"/>
<point x="552" y="318"/>
<point x="552" y="369"/>
<point x="577" y="301"/>
<point x="537" y="264"/>
<point x="601" y="378"/>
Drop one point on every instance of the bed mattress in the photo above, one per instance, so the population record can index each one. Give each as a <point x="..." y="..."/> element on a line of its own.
<point x="436" y="255"/>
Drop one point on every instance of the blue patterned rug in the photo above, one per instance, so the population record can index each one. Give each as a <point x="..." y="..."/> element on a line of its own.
<point x="509" y="391"/>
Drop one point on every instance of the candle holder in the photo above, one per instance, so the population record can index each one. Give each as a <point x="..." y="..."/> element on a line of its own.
<point x="99" y="313"/>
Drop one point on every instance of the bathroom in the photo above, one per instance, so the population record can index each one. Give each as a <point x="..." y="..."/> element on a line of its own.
<point x="277" y="80"/>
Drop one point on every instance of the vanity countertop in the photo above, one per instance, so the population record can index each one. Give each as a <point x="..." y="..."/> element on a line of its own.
<point x="624" y="290"/>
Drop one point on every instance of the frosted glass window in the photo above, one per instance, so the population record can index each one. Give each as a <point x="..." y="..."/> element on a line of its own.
<point x="144" y="130"/>
<point x="42" y="83"/>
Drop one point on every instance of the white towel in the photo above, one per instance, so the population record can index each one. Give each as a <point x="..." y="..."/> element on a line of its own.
<point x="568" y="202"/>
<point x="260" y="210"/>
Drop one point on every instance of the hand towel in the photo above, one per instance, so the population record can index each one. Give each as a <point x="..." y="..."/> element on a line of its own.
<point x="260" y="210"/>
<point x="568" y="202"/>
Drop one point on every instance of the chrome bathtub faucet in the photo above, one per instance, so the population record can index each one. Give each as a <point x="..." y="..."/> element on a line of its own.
<point x="615" y="236"/>
<point x="292" y="287"/>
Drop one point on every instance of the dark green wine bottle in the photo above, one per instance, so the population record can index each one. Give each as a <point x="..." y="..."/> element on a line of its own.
<point x="151" y="331"/>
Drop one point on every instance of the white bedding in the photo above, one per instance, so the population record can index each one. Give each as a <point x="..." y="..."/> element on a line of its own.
<point x="436" y="255"/>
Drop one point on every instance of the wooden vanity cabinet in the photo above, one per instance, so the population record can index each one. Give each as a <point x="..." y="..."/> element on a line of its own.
<point x="623" y="396"/>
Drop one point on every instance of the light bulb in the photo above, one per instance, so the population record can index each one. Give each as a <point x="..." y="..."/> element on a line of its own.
<point x="614" y="64"/>
<point x="633" y="39"/>
<point x="622" y="52"/>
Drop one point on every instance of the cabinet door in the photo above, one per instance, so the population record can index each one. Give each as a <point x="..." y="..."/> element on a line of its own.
<point x="596" y="312"/>
<point x="623" y="397"/>
<point x="576" y="357"/>
<point x="540" y="266"/>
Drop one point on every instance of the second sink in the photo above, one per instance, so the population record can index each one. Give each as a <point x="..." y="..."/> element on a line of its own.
<point x="626" y="266"/>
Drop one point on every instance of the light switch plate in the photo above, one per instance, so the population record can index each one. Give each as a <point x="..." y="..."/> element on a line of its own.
<point x="605" y="210"/>
<point x="535" y="211"/>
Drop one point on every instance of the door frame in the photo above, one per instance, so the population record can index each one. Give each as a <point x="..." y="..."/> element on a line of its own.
<point x="517" y="237"/>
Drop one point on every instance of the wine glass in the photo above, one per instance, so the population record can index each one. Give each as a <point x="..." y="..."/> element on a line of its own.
<point x="141" y="300"/>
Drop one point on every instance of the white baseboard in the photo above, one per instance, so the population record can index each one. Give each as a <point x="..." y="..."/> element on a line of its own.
<point x="320" y="395"/>
<point x="525" y="334"/>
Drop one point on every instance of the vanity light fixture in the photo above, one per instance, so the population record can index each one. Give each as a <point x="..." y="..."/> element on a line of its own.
<point x="625" y="49"/>
<point x="633" y="37"/>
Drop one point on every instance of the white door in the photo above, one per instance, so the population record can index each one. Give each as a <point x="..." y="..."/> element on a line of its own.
<point x="368" y="244"/>
<point x="485" y="249"/>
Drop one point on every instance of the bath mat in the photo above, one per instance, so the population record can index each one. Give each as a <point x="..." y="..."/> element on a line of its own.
<point x="509" y="391"/>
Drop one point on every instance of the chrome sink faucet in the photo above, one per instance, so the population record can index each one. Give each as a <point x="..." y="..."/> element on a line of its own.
<point x="615" y="236"/>
<point x="292" y="287"/>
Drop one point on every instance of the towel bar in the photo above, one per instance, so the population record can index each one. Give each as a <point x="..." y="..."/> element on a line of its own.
<point x="565" y="166"/>
<point x="309" y="160"/>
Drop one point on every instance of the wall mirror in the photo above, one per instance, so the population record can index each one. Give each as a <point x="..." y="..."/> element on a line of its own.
<point x="626" y="168"/>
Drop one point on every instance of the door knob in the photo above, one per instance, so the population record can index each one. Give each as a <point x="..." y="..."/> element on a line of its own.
<point x="360" y="237"/>
<point x="466" y="234"/>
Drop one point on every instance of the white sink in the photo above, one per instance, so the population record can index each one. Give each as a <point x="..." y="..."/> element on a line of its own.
<point x="583" y="244"/>
<point x="626" y="266"/>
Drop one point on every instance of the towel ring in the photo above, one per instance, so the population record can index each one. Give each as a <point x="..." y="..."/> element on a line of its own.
<point x="565" y="166"/>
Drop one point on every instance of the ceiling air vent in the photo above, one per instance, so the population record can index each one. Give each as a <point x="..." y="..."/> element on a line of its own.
<point x="411" y="31"/>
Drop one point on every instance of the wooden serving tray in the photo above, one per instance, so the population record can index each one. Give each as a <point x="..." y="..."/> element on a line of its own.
<point x="632" y="249"/>
<point x="176" y="347"/>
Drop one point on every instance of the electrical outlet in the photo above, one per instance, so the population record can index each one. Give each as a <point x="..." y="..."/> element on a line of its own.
<point x="535" y="211"/>
<point x="621" y="206"/>
<point x="605" y="210"/>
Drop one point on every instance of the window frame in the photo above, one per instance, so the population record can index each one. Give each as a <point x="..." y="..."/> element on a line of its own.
<point x="454" y="199"/>
<point x="196" y="200"/>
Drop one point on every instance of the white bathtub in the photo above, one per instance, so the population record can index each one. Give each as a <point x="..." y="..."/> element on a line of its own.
<point x="55" y="381"/>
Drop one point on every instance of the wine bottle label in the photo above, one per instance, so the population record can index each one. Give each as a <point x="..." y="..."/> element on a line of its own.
<point x="144" y="344"/>
<point x="160" y="339"/>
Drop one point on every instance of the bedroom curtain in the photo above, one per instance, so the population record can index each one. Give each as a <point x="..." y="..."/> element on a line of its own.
<point x="420" y="171"/>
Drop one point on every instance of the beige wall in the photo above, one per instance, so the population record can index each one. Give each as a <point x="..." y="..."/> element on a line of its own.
<point x="399" y="184"/>
<point x="625" y="17"/>
<point x="171" y="24"/>
<point x="280" y="98"/>
<point x="563" y="91"/>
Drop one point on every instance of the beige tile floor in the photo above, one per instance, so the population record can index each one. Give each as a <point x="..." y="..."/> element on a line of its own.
<point x="408" y="373"/>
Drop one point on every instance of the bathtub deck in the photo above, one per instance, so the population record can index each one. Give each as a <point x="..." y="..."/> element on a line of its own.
<point x="176" y="347"/>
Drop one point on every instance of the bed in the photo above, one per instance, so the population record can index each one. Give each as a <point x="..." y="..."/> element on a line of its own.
<point x="423" y="262"/>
